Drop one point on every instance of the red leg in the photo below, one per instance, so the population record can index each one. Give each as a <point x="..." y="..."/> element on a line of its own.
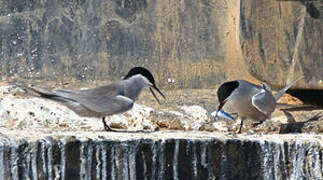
<point x="241" y="124"/>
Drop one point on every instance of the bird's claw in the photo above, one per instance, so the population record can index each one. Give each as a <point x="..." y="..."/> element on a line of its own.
<point x="106" y="126"/>
<point x="256" y="124"/>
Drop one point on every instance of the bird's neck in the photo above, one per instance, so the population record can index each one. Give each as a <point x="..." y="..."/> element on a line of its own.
<point x="134" y="85"/>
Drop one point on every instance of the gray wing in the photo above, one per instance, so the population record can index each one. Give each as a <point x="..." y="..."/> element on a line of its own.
<point x="107" y="91"/>
<point x="264" y="102"/>
<point x="47" y="94"/>
<point x="105" y="99"/>
<point x="106" y="104"/>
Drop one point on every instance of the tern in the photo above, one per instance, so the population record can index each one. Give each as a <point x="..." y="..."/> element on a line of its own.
<point x="105" y="100"/>
<point x="248" y="100"/>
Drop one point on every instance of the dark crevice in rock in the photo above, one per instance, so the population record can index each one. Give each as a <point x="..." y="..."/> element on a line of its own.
<point x="308" y="96"/>
<point x="169" y="158"/>
<point x="144" y="161"/>
<point x="202" y="160"/>
<point x="108" y="145"/>
<point x="22" y="162"/>
<point x="72" y="155"/>
<point x="251" y="154"/>
<point x="218" y="159"/>
<point x="185" y="160"/>
<point x="92" y="151"/>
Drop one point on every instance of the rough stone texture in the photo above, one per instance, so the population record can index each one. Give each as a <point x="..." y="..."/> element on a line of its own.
<point x="162" y="155"/>
<point x="54" y="143"/>
<point x="18" y="110"/>
<point x="97" y="39"/>
<point x="282" y="40"/>
<point x="193" y="42"/>
<point x="184" y="110"/>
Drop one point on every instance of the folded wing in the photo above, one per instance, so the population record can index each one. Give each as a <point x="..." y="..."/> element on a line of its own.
<point x="105" y="99"/>
<point x="264" y="102"/>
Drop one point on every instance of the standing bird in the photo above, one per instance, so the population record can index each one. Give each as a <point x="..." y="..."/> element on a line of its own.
<point x="106" y="100"/>
<point x="249" y="101"/>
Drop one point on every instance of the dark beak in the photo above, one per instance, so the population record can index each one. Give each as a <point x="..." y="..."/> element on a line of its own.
<point x="220" y="107"/>
<point x="151" y="90"/>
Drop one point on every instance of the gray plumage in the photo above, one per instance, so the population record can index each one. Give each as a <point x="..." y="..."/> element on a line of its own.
<point x="250" y="101"/>
<point x="106" y="100"/>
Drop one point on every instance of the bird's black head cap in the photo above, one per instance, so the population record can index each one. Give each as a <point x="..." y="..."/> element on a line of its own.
<point x="226" y="89"/>
<point x="143" y="71"/>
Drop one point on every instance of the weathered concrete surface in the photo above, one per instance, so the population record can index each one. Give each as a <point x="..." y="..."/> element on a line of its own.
<point x="160" y="155"/>
<point x="41" y="139"/>
<point x="281" y="40"/>
<point x="104" y="39"/>
<point x="19" y="110"/>
<point x="197" y="43"/>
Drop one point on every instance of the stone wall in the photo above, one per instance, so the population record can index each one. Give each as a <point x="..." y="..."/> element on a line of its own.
<point x="104" y="39"/>
<point x="282" y="40"/>
<point x="197" y="43"/>
<point x="162" y="155"/>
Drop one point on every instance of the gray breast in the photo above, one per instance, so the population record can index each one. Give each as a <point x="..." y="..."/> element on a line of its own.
<point x="240" y="101"/>
<point x="133" y="87"/>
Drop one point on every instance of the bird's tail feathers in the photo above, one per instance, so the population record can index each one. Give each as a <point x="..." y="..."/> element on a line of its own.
<point x="42" y="92"/>
<point x="282" y="91"/>
<point x="39" y="91"/>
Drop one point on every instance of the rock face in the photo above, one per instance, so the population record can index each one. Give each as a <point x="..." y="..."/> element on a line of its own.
<point x="17" y="110"/>
<point x="195" y="43"/>
<point x="281" y="40"/>
<point x="41" y="139"/>
<point x="162" y="155"/>
<point x="99" y="39"/>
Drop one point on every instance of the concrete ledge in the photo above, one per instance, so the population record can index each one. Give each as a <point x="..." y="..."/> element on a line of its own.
<point x="159" y="155"/>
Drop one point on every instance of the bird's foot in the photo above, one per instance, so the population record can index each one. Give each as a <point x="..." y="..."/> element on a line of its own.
<point x="256" y="124"/>
<point x="239" y="130"/>
<point x="106" y="126"/>
<point x="240" y="127"/>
